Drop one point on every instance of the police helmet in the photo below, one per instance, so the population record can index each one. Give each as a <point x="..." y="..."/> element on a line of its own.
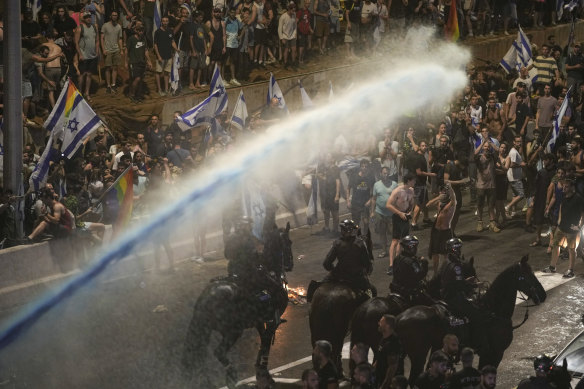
<point x="543" y="363"/>
<point x="409" y="244"/>
<point x="244" y="222"/>
<point x="348" y="225"/>
<point x="454" y="246"/>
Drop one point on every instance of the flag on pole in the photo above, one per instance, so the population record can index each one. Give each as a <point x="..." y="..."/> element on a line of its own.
<point x="451" y="31"/>
<point x="123" y="190"/>
<point x="204" y="112"/>
<point x="572" y="32"/>
<point x="157" y="17"/>
<point x="254" y="208"/>
<point x="239" y="115"/>
<point x="519" y="54"/>
<point x="557" y="122"/>
<point x="174" y="73"/>
<point x="331" y="95"/>
<point x="217" y="84"/>
<point x="36" y="8"/>
<point x="306" y="102"/>
<point x="275" y="91"/>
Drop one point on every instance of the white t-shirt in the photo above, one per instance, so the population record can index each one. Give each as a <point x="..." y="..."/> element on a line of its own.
<point x="515" y="173"/>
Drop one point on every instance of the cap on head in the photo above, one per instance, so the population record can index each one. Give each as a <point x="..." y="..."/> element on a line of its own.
<point x="86" y="15"/>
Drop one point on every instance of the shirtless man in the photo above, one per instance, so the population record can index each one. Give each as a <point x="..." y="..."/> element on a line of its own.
<point x="441" y="230"/>
<point x="400" y="203"/>
<point x="578" y="161"/>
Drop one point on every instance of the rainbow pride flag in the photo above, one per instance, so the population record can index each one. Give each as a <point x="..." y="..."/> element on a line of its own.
<point x="124" y="188"/>
<point x="451" y="31"/>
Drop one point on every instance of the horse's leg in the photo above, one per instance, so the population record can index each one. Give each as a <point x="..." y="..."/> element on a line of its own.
<point x="228" y="340"/>
<point x="266" y="333"/>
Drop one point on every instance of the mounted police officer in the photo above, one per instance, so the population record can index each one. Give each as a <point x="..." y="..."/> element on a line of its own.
<point x="542" y="366"/>
<point x="456" y="289"/>
<point x="409" y="270"/>
<point x="245" y="269"/>
<point x="354" y="262"/>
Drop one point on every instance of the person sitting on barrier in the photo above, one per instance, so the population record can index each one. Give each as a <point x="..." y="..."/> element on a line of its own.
<point x="57" y="222"/>
<point x="409" y="270"/>
<point x="353" y="260"/>
<point x="245" y="270"/>
<point x="455" y="290"/>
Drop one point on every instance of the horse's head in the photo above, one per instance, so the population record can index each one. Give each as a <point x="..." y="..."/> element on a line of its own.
<point x="287" y="256"/>
<point x="559" y="376"/>
<point x="528" y="283"/>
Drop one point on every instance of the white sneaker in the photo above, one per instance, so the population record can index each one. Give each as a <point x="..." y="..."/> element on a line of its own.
<point x="234" y="82"/>
<point x="226" y="84"/>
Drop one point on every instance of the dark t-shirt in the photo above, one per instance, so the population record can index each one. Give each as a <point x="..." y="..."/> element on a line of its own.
<point x="183" y="35"/>
<point x="354" y="8"/>
<point x="198" y="33"/>
<point x="522" y="112"/>
<point x="467" y="378"/>
<point x="418" y="161"/>
<point x="455" y="174"/>
<point x="388" y="347"/>
<point x="570" y="212"/>
<point x="361" y="189"/>
<point x="328" y="181"/>
<point x="327" y="375"/>
<point x="136" y="50"/>
<point x="30" y="29"/>
<point x="426" y="381"/>
<point x="163" y="39"/>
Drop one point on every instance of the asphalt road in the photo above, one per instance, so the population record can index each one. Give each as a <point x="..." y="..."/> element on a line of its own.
<point x="128" y="332"/>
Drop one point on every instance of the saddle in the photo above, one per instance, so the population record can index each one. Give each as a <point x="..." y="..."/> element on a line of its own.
<point x="362" y="295"/>
<point x="449" y="319"/>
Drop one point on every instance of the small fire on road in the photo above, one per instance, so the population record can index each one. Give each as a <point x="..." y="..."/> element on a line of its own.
<point x="297" y="296"/>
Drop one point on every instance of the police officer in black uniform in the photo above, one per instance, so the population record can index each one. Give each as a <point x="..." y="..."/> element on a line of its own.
<point x="409" y="271"/>
<point x="353" y="260"/>
<point x="455" y="289"/>
<point x="542" y="366"/>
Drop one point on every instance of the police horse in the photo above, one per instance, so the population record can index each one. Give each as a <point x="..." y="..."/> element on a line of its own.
<point x="331" y="309"/>
<point x="222" y="307"/>
<point x="420" y="328"/>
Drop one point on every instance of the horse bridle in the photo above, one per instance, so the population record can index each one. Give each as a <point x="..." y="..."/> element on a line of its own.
<point x="524" y="297"/>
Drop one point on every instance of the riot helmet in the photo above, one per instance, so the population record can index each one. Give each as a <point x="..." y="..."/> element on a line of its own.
<point x="409" y="245"/>
<point x="454" y="246"/>
<point x="542" y="364"/>
<point x="348" y="227"/>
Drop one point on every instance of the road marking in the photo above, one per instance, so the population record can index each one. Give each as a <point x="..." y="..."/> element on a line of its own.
<point x="547" y="280"/>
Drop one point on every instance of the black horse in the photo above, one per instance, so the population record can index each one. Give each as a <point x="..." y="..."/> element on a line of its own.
<point x="331" y="309"/>
<point x="366" y="318"/>
<point x="421" y="328"/>
<point x="559" y="376"/>
<point x="222" y="307"/>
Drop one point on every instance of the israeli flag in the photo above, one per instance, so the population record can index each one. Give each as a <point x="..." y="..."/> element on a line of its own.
<point x="174" y="73"/>
<point x="157" y="17"/>
<point x="306" y="102"/>
<point x="557" y="122"/>
<point x="254" y="208"/>
<point x="239" y="116"/>
<point x="570" y="6"/>
<point x="217" y="85"/>
<point x="38" y="178"/>
<point x="204" y="112"/>
<point x="275" y="91"/>
<point x="519" y="54"/>
<point x="331" y="95"/>
<point x="36" y="8"/>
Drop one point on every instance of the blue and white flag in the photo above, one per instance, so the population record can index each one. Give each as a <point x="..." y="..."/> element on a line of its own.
<point x="519" y="54"/>
<point x="558" y="122"/>
<point x="275" y="91"/>
<point x="38" y="178"/>
<point x="157" y="17"/>
<point x="306" y="102"/>
<point x="312" y="209"/>
<point x="239" y="116"/>
<point x="36" y="8"/>
<point x="331" y="95"/>
<point x="217" y="84"/>
<point x="348" y="162"/>
<point x="174" y="73"/>
<point x="254" y="208"/>
<point x="204" y="112"/>
<point x="571" y="6"/>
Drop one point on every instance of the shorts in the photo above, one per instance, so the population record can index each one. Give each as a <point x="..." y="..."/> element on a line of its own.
<point x="401" y="227"/>
<point x="26" y="89"/>
<point x="289" y="44"/>
<point x="164" y="65"/>
<point x="517" y="188"/>
<point x="421" y="196"/>
<point x="233" y="54"/>
<point x="112" y="59"/>
<point x="571" y="238"/>
<point x="335" y="24"/>
<point x="53" y="74"/>
<point x="260" y="35"/>
<point x="358" y="213"/>
<point x="329" y="203"/>
<point x="217" y="54"/>
<point x="322" y="28"/>
<point x="352" y="35"/>
<point x="137" y="70"/>
<point x="183" y="59"/>
<point x="198" y="63"/>
<point x="302" y="40"/>
<point x="88" y="66"/>
<point x="488" y="194"/>
<point x="438" y="239"/>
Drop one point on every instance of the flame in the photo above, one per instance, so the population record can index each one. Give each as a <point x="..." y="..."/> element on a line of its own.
<point x="297" y="295"/>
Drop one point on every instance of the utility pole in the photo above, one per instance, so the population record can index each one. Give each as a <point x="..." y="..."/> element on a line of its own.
<point x="12" y="127"/>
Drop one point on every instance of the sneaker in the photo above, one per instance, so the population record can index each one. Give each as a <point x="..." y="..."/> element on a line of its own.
<point x="234" y="82"/>
<point x="549" y="269"/>
<point x="493" y="227"/>
<point x="568" y="274"/>
<point x="480" y="226"/>
<point x="389" y="271"/>
<point x="226" y="84"/>
<point x="507" y="33"/>
<point x="161" y="93"/>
